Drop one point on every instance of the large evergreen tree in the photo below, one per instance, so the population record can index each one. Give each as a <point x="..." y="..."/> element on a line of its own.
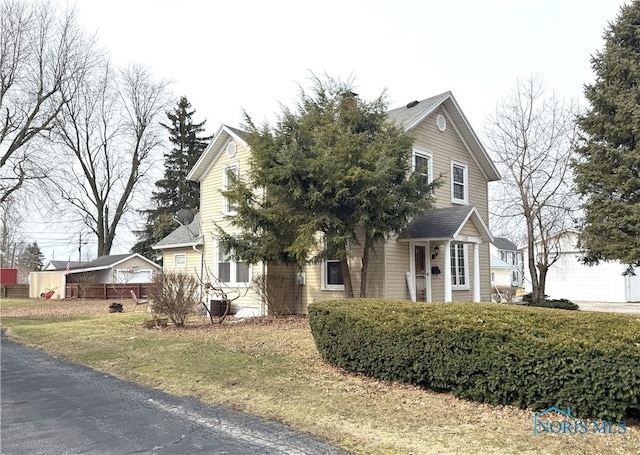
<point x="608" y="168"/>
<point x="174" y="191"/>
<point x="335" y="166"/>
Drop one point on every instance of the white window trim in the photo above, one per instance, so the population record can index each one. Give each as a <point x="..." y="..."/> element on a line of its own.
<point x="424" y="154"/>
<point x="225" y="186"/>
<point x="175" y="261"/>
<point x="232" y="270"/>
<point x="465" y="256"/>
<point x="465" y="176"/>
<point x="324" y="286"/>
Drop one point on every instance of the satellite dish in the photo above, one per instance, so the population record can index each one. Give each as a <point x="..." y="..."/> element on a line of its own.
<point x="184" y="216"/>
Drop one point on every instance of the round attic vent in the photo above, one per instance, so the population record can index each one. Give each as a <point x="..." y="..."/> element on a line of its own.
<point x="231" y="149"/>
<point x="441" y="122"/>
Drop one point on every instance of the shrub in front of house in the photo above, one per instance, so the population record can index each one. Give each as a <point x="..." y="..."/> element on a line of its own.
<point x="175" y="295"/>
<point x="562" y="304"/>
<point x="529" y="357"/>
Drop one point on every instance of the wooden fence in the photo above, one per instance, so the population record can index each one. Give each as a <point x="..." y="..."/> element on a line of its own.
<point x="14" y="291"/>
<point x="106" y="291"/>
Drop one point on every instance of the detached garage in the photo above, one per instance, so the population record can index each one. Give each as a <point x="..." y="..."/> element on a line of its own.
<point x="120" y="269"/>
<point x="570" y="279"/>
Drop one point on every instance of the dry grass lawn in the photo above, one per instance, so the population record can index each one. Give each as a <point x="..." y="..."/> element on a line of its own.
<point x="274" y="370"/>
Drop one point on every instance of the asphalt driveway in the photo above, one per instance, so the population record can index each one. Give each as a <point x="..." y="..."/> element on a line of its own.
<point x="50" y="406"/>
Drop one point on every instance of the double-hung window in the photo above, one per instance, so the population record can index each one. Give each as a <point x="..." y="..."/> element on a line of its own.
<point x="230" y="172"/>
<point x="231" y="271"/>
<point x="423" y="163"/>
<point x="459" y="266"/>
<point x="459" y="183"/>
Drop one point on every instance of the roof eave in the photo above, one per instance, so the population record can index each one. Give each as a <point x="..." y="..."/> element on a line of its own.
<point x="178" y="245"/>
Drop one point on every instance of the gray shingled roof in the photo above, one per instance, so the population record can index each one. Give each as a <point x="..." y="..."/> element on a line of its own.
<point x="437" y="223"/>
<point x="106" y="261"/>
<point x="61" y="265"/>
<point x="183" y="235"/>
<point x="502" y="243"/>
<point x="241" y="133"/>
<point x="405" y="115"/>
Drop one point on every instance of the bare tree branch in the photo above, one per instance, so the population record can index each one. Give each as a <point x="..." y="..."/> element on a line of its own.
<point x="532" y="137"/>
<point x="108" y="133"/>
<point x="44" y="56"/>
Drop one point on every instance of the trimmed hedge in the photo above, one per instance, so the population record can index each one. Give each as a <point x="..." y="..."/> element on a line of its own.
<point x="532" y="358"/>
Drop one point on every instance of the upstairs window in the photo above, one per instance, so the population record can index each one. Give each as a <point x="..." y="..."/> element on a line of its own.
<point x="459" y="183"/>
<point x="423" y="163"/>
<point x="230" y="172"/>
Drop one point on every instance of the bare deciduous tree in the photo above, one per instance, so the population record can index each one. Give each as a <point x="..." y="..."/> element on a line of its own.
<point x="108" y="133"/>
<point x="11" y="241"/>
<point x="532" y="137"/>
<point x="44" y="55"/>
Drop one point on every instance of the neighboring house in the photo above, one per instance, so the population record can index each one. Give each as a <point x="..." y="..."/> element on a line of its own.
<point x="129" y="268"/>
<point x="569" y="278"/>
<point x="507" y="251"/>
<point x="501" y="272"/>
<point x="441" y="256"/>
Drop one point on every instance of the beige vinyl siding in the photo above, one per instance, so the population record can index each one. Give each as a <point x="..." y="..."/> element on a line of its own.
<point x="485" y="270"/>
<point x="376" y="272"/>
<point x="470" y="230"/>
<point x="212" y="215"/>
<point x="312" y="291"/>
<point x="192" y="260"/>
<point x="396" y="265"/>
<point x="445" y="147"/>
<point x="437" y="281"/>
<point x="212" y="201"/>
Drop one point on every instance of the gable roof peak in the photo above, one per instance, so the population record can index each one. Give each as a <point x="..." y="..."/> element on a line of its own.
<point x="414" y="113"/>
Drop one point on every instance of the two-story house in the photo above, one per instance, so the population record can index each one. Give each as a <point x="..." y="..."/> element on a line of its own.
<point x="441" y="256"/>
<point x="507" y="252"/>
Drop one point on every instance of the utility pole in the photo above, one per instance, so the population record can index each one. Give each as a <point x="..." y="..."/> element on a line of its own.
<point x="80" y="249"/>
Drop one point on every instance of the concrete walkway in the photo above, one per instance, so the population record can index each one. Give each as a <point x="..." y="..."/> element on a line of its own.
<point x="624" y="308"/>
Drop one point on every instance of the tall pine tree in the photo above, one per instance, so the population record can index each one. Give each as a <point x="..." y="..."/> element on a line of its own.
<point x="174" y="191"/>
<point x="608" y="168"/>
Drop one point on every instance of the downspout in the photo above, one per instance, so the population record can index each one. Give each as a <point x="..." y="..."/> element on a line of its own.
<point x="194" y="246"/>
<point x="261" y="294"/>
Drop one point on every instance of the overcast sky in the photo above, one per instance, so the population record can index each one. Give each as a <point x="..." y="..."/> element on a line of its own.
<point x="245" y="54"/>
